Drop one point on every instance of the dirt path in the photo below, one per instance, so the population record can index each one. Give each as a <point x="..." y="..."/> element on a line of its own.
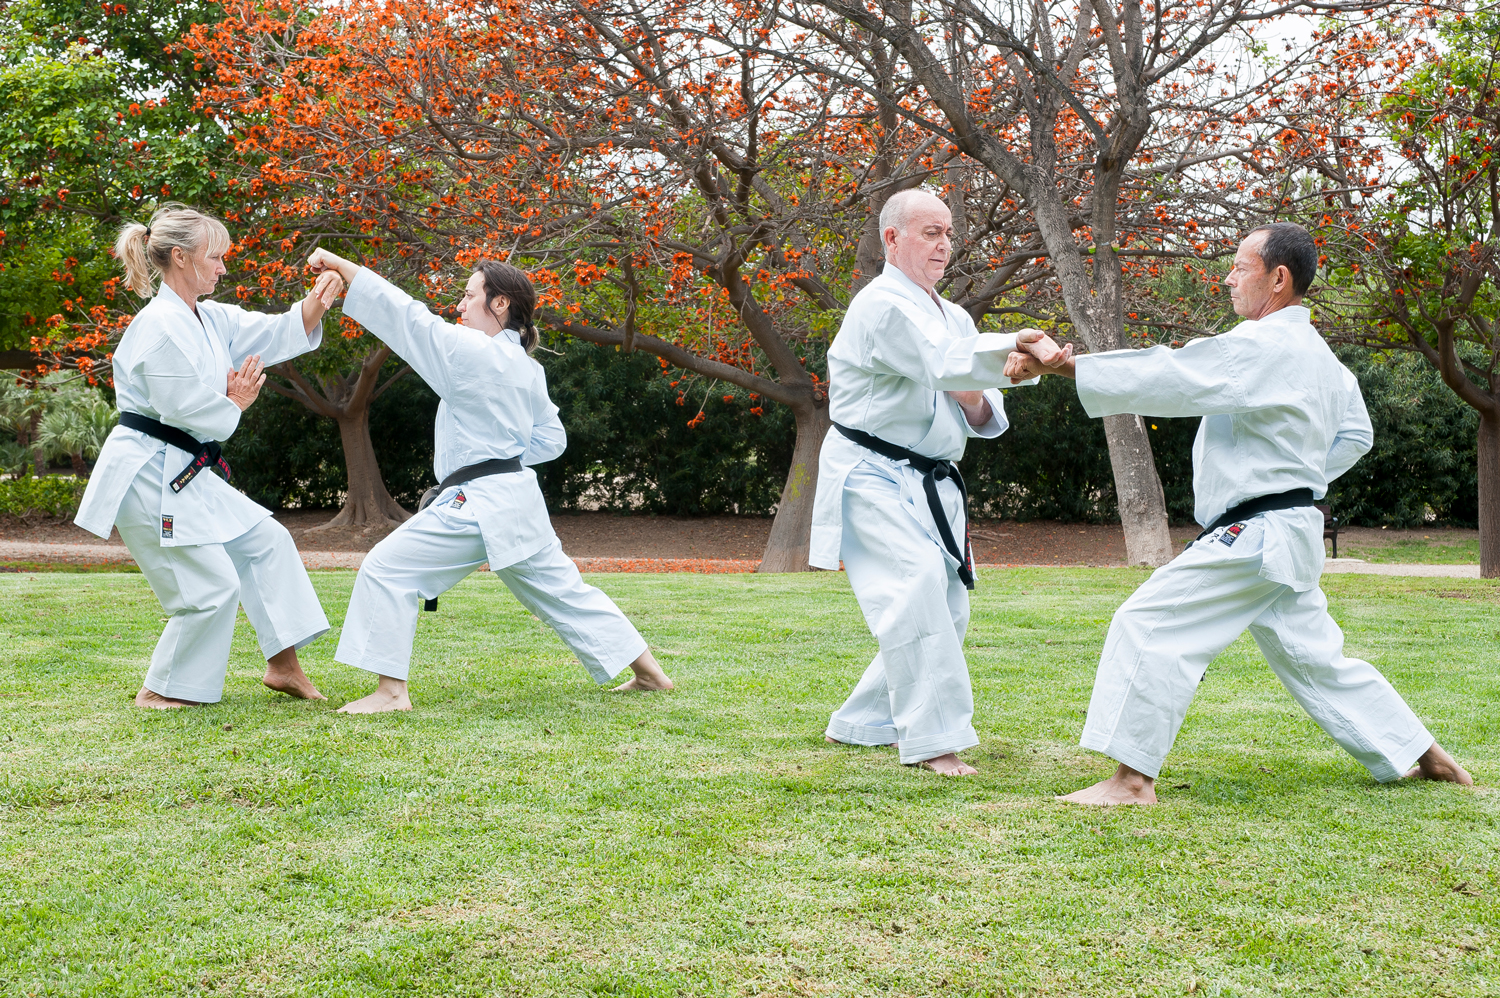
<point x="607" y="538"/>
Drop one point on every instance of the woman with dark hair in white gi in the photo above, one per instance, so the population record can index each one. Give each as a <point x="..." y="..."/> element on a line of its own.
<point x="495" y="421"/>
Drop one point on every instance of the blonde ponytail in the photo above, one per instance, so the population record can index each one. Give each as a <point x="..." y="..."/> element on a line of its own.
<point x="145" y="251"/>
<point x="130" y="249"/>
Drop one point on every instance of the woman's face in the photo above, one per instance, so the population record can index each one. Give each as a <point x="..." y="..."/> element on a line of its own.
<point x="201" y="269"/>
<point x="471" y="308"/>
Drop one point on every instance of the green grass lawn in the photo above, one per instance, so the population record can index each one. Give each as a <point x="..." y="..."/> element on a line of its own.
<point x="1428" y="551"/>
<point x="523" y="833"/>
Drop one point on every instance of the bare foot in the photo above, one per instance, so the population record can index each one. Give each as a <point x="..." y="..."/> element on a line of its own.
<point x="155" y="701"/>
<point x="835" y="741"/>
<point x="1435" y="764"/>
<point x="1126" y="787"/>
<point x="648" y="677"/>
<point x="948" y="765"/>
<point x="389" y="695"/>
<point x="284" y="675"/>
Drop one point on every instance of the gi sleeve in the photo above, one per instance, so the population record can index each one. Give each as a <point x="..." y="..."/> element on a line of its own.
<point x="274" y="338"/>
<point x="900" y="345"/>
<point x="1354" y="439"/>
<point x="1199" y="379"/>
<point x="432" y="347"/>
<point x="998" y="424"/>
<point x="172" y="388"/>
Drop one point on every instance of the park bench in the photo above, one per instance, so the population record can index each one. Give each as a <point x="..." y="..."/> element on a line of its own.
<point x="1330" y="527"/>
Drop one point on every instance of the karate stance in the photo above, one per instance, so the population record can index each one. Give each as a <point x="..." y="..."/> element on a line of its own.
<point x="1281" y="419"/>
<point x="495" y="421"/>
<point x="910" y="380"/>
<point x="184" y="371"/>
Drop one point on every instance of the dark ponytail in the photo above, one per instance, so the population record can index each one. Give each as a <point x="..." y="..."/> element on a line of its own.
<point x="512" y="282"/>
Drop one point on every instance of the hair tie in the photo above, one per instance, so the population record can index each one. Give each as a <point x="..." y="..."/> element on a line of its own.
<point x="147" y="235"/>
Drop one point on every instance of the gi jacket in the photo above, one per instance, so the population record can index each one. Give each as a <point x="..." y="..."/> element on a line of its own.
<point x="494" y="405"/>
<point x="1279" y="413"/>
<point x="896" y="355"/>
<point x="174" y="368"/>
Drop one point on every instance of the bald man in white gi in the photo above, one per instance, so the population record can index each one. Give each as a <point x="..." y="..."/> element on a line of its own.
<point x="1282" y="418"/>
<point x="910" y="381"/>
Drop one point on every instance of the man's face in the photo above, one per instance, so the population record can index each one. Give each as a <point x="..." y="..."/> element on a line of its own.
<point x="921" y="252"/>
<point x="1251" y="285"/>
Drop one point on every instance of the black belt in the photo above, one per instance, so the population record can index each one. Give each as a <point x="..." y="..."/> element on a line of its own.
<point x="206" y="453"/>
<point x="1260" y="504"/>
<point x="494" y="466"/>
<point x="933" y="471"/>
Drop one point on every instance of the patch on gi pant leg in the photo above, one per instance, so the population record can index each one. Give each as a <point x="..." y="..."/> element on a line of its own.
<point x="166" y="527"/>
<point x="1232" y="533"/>
<point x="459" y="500"/>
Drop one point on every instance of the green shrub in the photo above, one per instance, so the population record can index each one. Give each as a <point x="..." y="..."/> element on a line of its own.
<point x="58" y="495"/>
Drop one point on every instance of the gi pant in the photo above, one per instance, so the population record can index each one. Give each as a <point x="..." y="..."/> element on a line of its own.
<point x="1164" y="636"/>
<point x="916" y="691"/>
<point x="202" y="586"/>
<point x="434" y="551"/>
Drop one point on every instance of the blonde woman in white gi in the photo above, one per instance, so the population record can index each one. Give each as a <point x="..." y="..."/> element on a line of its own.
<point x="1282" y="418"/>
<point x="910" y="381"/>
<point x="184" y="371"/>
<point x="494" y="422"/>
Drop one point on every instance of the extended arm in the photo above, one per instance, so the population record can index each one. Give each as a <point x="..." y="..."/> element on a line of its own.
<point x="275" y="338"/>
<point x="900" y="345"/>
<point x="401" y="322"/>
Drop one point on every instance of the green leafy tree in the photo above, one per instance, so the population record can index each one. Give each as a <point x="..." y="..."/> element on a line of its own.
<point x="1414" y="255"/>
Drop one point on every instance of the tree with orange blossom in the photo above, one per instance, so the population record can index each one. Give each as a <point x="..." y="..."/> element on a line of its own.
<point x="1132" y="138"/>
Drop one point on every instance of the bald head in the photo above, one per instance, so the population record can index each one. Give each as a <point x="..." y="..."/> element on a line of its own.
<point x="916" y="229"/>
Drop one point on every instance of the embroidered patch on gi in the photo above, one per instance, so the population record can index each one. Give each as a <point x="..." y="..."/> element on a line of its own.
<point x="459" y="500"/>
<point x="1232" y="533"/>
<point x="166" y="526"/>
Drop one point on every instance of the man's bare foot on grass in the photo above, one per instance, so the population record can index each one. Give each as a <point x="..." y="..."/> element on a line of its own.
<point x="155" y="701"/>
<point x="1436" y="764"/>
<point x="389" y="695"/>
<point x="834" y="741"/>
<point x="1126" y="787"/>
<point x="648" y="677"/>
<point x="284" y="675"/>
<point x="948" y="765"/>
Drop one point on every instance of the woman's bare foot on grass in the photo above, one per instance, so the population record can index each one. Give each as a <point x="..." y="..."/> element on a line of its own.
<point x="1436" y="764"/>
<point x="648" y="678"/>
<point x="948" y="765"/>
<point x="155" y="701"/>
<point x="389" y="695"/>
<point x="1126" y="787"/>
<point x="284" y="675"/>
<point x="834" y="741"/>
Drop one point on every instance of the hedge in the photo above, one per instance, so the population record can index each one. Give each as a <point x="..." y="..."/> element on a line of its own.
<point x="631" y="450"/>
<point x="55" y="494"/>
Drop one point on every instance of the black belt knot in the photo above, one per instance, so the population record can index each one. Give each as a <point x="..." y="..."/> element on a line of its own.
<point x="206" y="453"/>
<point x="933" y="470"/>
<point x="1294" y="499"/>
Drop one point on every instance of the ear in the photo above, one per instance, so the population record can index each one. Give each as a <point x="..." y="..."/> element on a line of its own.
<point x="1283" y="279"/>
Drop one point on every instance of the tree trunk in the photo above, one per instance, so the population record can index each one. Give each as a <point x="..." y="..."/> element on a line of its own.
<point x="1143" y="508"/>
<point x="368" y="501"/>
<point x="791" y="532"/>
<point x="1489" y="495"/>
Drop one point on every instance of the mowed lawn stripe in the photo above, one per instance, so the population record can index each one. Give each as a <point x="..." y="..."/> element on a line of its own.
<point x="523" y="832"/>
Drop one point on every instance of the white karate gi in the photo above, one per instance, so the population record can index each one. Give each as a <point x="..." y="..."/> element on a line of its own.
<point x="205" y="549"/>
<point x="494" y="406"/>
<point x="1279" y="413"/>
<point x="896" y="355"/>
